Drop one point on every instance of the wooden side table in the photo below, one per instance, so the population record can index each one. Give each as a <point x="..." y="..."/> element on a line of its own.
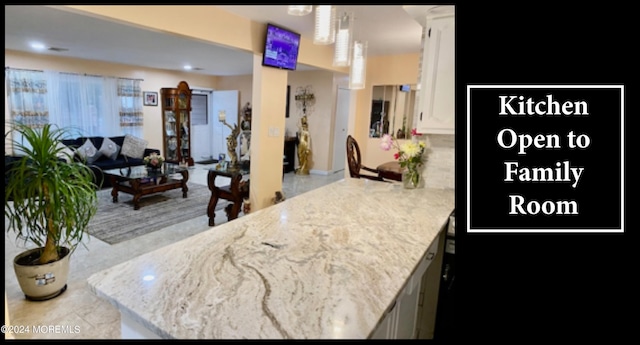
<point x="235" y="192"/>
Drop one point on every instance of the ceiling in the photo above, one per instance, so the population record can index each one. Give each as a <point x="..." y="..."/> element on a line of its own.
<point x="387" y="29"/>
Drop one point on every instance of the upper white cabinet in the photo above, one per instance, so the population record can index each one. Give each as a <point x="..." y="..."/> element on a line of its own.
<point x="436" y="98"/>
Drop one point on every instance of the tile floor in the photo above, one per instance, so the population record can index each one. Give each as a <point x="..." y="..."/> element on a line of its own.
<point x="78" y="313"/>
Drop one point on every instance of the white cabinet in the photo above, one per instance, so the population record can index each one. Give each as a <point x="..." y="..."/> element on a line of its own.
<point x="436" y="104"/>
<point x="399" y="322"/>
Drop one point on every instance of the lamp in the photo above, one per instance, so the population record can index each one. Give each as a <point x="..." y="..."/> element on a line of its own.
<point x="357" y="72"/>
<point x="344" y="38"/>
<point x="299" y="10"/>
<point x="325" y="29"/>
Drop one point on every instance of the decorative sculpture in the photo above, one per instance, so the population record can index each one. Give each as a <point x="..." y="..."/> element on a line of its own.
<point x="232" y="141"/>
<point x="304" y="147"/>
<point x="305" y="101"/>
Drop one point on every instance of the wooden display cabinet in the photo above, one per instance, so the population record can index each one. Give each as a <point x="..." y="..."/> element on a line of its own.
<point x="176" y="123"/>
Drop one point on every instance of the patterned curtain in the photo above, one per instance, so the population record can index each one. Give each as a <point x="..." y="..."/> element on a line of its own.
<point x="27" y="97"/>
<point x="130" y="96"/>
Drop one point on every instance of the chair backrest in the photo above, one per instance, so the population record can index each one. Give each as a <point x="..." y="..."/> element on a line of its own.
<point x="354" y="157"/>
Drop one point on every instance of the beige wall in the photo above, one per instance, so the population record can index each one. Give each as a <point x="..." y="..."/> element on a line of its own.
<point x="242" y="83"/>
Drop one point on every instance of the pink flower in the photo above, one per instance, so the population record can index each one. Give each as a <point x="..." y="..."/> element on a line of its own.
<point x="415" y="132"/>
<point x="386" y="143"/>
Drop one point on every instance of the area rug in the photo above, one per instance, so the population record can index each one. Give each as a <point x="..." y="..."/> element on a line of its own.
<point x="118" y="222"/>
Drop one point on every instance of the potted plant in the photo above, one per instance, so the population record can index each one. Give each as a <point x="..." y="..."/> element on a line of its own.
<point x="49" y="202"/>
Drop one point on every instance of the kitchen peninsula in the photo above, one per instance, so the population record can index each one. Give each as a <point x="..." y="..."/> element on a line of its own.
<point x="329" y="263"/>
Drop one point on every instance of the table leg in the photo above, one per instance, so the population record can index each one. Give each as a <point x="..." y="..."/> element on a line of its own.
<point x="137" y="193"/>
<point x="234" y="210"/>
<point x="211" y="208"/>
<point x="114" y="191"/>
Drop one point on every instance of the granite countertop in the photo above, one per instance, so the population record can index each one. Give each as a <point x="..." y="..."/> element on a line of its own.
<point x="323" y="264"/>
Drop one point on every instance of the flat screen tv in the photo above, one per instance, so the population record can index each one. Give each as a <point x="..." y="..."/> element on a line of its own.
<point x="281" y="48"/>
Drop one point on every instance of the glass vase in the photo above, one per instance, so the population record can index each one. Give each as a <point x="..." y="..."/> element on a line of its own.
<point x="413" y="176"/>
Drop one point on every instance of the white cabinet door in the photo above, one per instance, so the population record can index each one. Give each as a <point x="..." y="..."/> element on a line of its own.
<point x="400" y="321"/>
<point x="436" y="112"/>
<point x="385" y="328"/>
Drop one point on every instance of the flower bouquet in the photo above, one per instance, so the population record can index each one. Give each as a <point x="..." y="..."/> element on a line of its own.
<point x="153" y="161"/>
<point x="411" y="155"/>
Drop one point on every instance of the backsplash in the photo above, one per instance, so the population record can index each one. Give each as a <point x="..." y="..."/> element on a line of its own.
<point x="440" y="169"/>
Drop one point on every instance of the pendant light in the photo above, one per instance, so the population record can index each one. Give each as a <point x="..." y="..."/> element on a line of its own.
<point x="299" y="10"/>
<point x="344" y="39"/>
<point x="357" y="72"/>
<point x="325" y="28"/>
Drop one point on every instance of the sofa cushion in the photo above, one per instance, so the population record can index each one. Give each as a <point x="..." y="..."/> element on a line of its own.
<point x="133" y="146"/>
<point x="109" y="149"/>
<point x="65" y="152"/>
<point x="88" y="152"/>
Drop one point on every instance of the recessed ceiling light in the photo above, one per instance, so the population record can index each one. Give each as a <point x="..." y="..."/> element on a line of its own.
<point x="38" y="46"/>
<point x="187" y="67"/>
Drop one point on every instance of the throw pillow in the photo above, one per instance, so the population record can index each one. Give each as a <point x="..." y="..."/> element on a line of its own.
<point x="65" y="152"/>
<point x="109" y="149"/>
<point x="133" y="146"/>
<point x="88" y="152"/>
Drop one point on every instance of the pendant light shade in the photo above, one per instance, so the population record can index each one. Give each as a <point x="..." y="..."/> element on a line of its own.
<point x="344" y="39"/>
<point x="325" y="29"/>
<point x="357" y="72"/>
<point x="299" y="10"/>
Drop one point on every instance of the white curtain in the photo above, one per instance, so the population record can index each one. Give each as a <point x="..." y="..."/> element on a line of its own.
<point x="130" y="116"/>
<point x="26" y="94"/>
<point x="27" y="103"/>
<point x="86" y="105"/>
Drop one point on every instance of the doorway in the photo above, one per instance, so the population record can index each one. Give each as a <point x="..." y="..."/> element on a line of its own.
<point x="208" y="134"/>
<point x="201" y="125"/>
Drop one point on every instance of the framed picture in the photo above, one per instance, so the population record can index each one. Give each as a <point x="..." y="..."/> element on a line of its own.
<point x="150" y="98"/>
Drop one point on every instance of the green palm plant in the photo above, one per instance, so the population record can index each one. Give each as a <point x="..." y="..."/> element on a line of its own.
<point x="48" y="201"/>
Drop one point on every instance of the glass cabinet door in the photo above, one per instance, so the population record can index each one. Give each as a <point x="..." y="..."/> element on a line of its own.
<point x="176" y="112"/>
<point x="170" y="138"/>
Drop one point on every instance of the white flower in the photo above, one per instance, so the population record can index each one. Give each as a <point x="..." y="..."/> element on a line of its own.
<point x="411" y="149"/>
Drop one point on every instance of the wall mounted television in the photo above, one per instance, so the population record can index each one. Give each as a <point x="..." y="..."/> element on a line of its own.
<point x="281" y="48"/>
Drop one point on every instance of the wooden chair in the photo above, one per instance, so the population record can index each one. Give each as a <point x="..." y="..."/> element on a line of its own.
<point x="354" y="158"/>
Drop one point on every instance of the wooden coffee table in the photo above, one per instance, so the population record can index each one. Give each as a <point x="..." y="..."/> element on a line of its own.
<point x="139" y="181"/>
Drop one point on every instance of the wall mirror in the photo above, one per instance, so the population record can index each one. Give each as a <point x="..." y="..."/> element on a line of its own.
<point x="392" y="108"/>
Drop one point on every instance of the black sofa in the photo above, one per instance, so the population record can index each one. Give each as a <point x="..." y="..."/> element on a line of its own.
<point x="104" y="162"/>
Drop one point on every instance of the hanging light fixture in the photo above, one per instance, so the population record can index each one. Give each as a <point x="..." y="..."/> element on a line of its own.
<point x="344" y="38"/>
<point x="357" y="72"/>
<point x="325" y="29"/>
<point x="299" y="10"/>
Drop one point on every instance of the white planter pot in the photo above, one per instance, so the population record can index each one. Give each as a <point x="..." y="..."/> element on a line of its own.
<point x="42" y="282"/>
